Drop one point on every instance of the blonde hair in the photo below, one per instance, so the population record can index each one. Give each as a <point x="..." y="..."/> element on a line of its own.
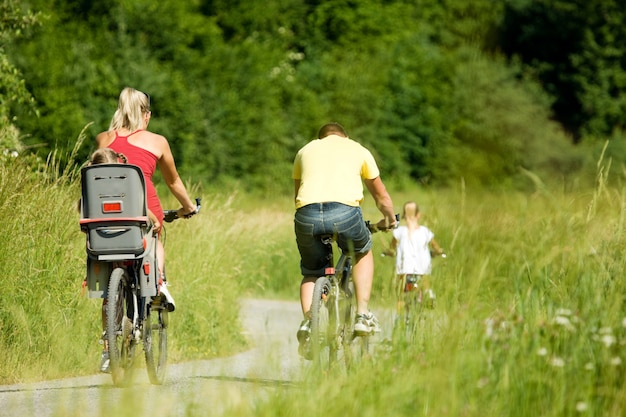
<point x="132" y="106"/>
<point x="107" y="156"/>
<point x="410" y="210"/>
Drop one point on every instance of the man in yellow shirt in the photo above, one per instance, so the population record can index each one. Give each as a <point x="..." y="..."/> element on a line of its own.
<point x="328" y="177"/>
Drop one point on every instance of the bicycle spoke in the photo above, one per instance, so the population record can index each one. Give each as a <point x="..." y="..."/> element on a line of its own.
<point x="119" y="327"/>
<point x="155" y="344"/>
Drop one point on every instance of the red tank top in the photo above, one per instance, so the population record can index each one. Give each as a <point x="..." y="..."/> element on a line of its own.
<point x="145" y="160"/>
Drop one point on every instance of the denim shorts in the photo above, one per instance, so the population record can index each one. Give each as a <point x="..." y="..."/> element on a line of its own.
<point x="344" y="222"/>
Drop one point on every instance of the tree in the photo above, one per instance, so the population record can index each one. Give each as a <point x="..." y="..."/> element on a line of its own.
<point x="576" y="49"/>
<point x="238" y="86"/>
<point x="13" y="23"/>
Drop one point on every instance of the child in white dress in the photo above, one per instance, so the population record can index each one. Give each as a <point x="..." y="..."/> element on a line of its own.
<point x="413" y="246"/>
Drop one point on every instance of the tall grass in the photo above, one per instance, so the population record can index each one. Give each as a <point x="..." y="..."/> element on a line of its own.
<point x="530" y="317"/>
<point x="48" y="326"/>
<point x="39" y="264"/>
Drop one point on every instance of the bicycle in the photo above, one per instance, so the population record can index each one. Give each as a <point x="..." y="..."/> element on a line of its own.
<point x="413" y="301"/>
<point x="333" y="340"/>
<point x="122" y="267"/>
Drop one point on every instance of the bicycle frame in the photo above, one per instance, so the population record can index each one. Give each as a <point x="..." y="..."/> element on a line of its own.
<point x="341" y="289"/>
<point x="333" y="312"/>
<point x="139" y="302"/>
<point x="411" y="293"/>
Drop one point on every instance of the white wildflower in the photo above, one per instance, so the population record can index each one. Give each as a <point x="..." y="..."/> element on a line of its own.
<point x="616" y="361"/>
<point x="564" y="312"/>
<point x="557" y="362"/>
<point x="581" y="406"/>
<point x="565" y="322"/>
<point x="489" y="328"/>
<point x="542" y="351"/>
<point x="608" y="340"/>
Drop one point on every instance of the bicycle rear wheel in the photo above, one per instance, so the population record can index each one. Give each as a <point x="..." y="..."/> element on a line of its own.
<point x="320" y="323"/>
<point x="119" y="326"/>
<point x="409" y="320"/>
<point x="155" y="343"/>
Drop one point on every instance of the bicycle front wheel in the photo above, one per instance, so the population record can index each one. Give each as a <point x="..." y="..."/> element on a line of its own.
<point x="356" y="348"/>
<point x="119" y="326"/>
<point x="320" y="323"/>
<point x="155" y="343"/>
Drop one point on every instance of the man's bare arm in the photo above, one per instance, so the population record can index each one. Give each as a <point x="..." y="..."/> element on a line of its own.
<point x="383" y="200"/>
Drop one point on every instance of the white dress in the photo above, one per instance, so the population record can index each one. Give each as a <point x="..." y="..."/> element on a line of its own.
<point x="413" y="252"/>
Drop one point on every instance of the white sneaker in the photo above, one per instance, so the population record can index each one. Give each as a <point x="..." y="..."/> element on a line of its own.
<point x="105" y="362"/>
<point x="366" y="324"/>
<point x="169" y="300"/>
<point x="304" y="339"/>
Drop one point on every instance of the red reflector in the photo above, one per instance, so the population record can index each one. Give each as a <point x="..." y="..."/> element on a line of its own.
<point x="329" y="271"/>
<point x="112" y="207"/>
<point x="146" y="268"/>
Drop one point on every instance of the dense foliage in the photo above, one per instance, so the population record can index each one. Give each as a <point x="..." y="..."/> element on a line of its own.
<point x="576" y="48"/>
<point x="239" y="86"/>
<point x="12" y="88"/>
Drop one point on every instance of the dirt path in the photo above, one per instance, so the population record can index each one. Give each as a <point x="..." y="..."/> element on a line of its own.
<point x="190" y="387"/>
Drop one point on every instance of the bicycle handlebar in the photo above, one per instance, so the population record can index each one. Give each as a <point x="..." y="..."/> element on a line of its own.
<point x="171" y="215"/>
<point x="373" y="228"/>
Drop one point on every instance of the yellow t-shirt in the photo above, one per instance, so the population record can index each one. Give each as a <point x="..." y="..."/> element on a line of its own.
<point x="331" y="170"/>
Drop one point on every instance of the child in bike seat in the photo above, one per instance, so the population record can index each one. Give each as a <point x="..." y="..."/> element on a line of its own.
<point x="109" y="156"/>
<point x="413" y="245"/>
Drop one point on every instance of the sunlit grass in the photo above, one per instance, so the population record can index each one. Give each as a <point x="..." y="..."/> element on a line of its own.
<point x="47" y="318"/>
<point x="530" y="317"/>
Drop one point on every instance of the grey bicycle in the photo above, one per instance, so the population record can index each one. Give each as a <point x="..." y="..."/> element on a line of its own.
<point x="333" y="341"/>
<point x="122" y="267"/>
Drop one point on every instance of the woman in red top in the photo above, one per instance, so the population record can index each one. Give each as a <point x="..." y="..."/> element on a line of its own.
<point x="127" y="134"/>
